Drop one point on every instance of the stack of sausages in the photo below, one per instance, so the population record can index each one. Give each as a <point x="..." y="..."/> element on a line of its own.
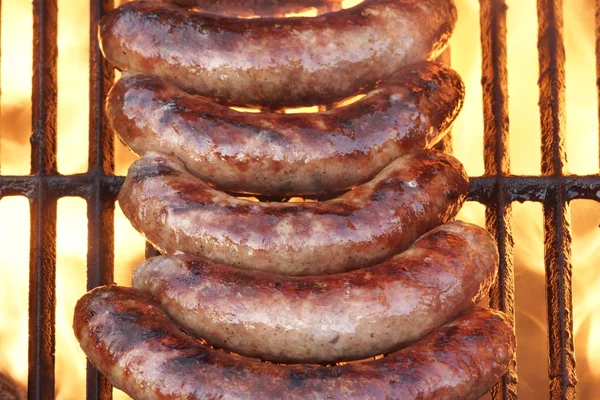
<point x="293" y="300"/>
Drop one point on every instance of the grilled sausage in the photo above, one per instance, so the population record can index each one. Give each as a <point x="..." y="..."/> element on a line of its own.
<point x="178" y="212"/>
<point x="330" y="318"/>
<point x="128" y="337"/>
<point x="288" y="154"/>
<point x="262" y="8"/>
<point x="276" y="62"/>
<point x="10" y="390"/>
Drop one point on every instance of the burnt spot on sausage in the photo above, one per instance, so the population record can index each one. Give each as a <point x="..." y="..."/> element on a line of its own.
<point x="297" y="380"/>
<point x="335" y="340"/>
<point x="126" y="316"/>
<point x="386" y="188"/>
<point x="186" y="360"/>
<point x="446" y="337"/>
<point x="445" y="239"/>
<point x="151" y="171"/>
<point x="153" y="333"/>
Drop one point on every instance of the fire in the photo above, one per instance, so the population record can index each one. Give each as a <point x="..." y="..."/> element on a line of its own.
<point x="582" y="145"/>
<point x="525" y="142"/>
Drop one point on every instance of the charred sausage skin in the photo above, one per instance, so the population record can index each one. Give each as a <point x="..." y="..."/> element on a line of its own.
<point x="276" y="63"/>
<point x="129" y="338"/>
<point x="262" y="8"/>
<point x="180" y="213"/>
<point x="325" y="319"/>
<point x="288" y="154"/>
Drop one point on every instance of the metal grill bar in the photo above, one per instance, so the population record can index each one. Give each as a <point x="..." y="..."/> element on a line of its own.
<point x="42" y="254"/>
<point x="557" y="234"/>
<point x="101" y="200"/>
<point x="484" y="189"/>
<point x="0" y="76"/>
<point x="498" y="213"/>
<point x="598" y="61"/>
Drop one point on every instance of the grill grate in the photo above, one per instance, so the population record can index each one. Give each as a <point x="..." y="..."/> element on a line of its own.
<point x="496" y="190"/>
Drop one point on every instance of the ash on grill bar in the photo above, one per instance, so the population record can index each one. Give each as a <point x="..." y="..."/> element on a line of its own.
<point x="368" y="288"/>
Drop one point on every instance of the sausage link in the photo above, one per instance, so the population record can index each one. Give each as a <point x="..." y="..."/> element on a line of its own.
<point x="128" y="337"/>
<point x="180" y="213"/>
<point x="276" y="62"/>
<point x="288" y="154"/>
<point x="262" y="8"/>
<point x="325" y="319"/>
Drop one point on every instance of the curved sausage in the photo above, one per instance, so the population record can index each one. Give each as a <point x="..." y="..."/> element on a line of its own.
<point x="276" y="62"/>
<point x="262" y="8"/>
<point x="180" y="213"/>
<point x="288" y="154"/>
<point x="330" y="318"/>
<point x="128" y="337"/>
<point x="10" y="390"/>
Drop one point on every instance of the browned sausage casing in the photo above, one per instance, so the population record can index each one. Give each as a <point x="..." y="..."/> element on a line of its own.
<point x="330" y="318"/>
<point x="276" y="62"/>
<point x="263" y="8"/>
<point x="288" y="154"/>
<point x="180" y="213"/>
<point x="129" y="338"/>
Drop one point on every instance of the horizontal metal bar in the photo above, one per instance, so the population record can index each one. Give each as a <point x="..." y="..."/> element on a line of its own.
<point x="79" y="185"/>
<point x="521" y="188"/>
<point x="484" y="189"/>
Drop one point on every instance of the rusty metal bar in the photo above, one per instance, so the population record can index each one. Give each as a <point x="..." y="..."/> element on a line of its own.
<point x="78" y="185"/>
<point x="557" y="234"/>
<point x="0" y="79"/>
<point x="101" y="201"/>
<point x="598" y="61"/>
<point x="484" y="189"/>
<point x="498" y="212"/>
<point x="42" y="253"/>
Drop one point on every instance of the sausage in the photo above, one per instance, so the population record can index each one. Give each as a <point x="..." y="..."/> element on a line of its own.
<point x="276" y="62"/>
<point x="10" y="390"/>
<point x="180" y="213"/>
<point x="288" y="154"/>
<point x="262" y="8"/>
<point x="128" y="337"/>
<point x="330" y="318"/>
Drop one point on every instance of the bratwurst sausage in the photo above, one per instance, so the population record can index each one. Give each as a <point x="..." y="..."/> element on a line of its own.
<point x="262" y="8"/>
<point x="129" y="338"/>
<point x="180" y="213"/>
<point x="288" y="154"/>
<point x="276" y="62"/>
<point x="330" y="318"/>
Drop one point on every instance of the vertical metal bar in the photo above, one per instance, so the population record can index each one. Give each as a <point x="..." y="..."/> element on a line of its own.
<point x="498" y="215"/>
<point x="42" y="254"/>
<point x="598" y="61"/>
<point x="0" y="81"/>
<point x="557" y="235"/>
<point x="100" y="204"/>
